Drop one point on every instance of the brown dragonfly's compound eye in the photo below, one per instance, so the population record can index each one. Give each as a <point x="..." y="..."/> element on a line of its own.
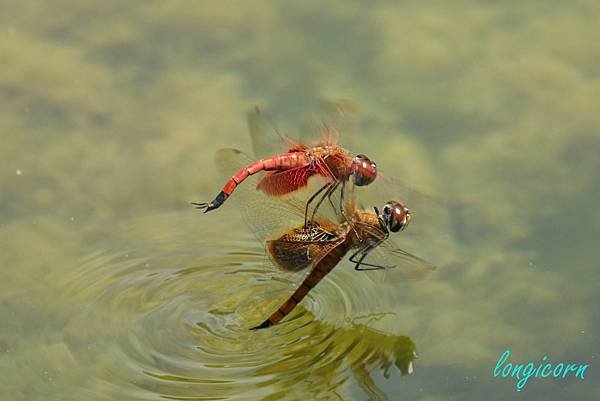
<point x="387" y="209"/>
<point x="364" y="170"/>
<point x="396" y="215"/>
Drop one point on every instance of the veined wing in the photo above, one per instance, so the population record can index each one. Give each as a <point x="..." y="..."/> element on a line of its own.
<point x="267" y="217"/>
<point x="303" y="247"/>
<point x="398" y="263"/>
<point x="328" y="118"/>
<point x="321" y="126"/>
<point x="280" y="183"/>
<point x="431" y="214"/>
<point x="267" y="139"/>
<point x="270" y="219"/>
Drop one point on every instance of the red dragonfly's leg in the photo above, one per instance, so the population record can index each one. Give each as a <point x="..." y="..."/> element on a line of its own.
<point x="331" y="187"/>
<point x="327" y="194"/>
<point x="343" y="211"/>
<point x="281" y="162"/>
<point x="310" y="201"/>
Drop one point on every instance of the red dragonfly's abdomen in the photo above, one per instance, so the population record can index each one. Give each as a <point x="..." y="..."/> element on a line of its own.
<point x="282" y="163"/>
<point x="325" y="265"/>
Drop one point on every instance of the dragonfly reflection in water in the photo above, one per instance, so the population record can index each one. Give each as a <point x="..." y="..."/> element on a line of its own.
<point x="319" y="246"/>
<point x="368" y="352"/>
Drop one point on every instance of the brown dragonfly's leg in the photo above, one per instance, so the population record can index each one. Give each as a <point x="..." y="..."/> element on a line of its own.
<point x="310" y="201"/>
<point x="359" y="262"/>
<point x="367" y="249"/>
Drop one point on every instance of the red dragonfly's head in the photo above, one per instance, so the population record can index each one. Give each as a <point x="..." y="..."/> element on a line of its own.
<point x="395" y="216"/>
<point x="364" y="170"/>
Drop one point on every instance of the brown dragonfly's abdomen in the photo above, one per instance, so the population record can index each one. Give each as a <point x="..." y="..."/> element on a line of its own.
<point x="325" y="265"/>
<point x="283" y="162"/>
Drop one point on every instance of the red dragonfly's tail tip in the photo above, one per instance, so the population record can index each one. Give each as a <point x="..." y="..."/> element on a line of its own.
<point x="202" y="206"/>
<point x="207" y="207"/>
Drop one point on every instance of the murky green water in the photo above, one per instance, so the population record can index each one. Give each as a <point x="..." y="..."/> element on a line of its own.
<point x="113" y="288"/>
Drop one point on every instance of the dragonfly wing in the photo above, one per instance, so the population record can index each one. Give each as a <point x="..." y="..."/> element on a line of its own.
<point x="279" y="183"/>
<point x="431" y="214"/>
<point x="328" y="118"/>
<point x="267" y="139"/>
<point x="266" y="217"/>
<point x="397" y="262"/>
<point x="303" y="247"/>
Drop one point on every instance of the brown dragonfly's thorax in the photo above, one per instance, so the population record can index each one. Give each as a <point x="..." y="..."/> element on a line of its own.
<point x="366" y="225"/>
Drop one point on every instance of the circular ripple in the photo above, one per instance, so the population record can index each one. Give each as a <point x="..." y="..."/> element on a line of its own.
<point x="173" y="319"/>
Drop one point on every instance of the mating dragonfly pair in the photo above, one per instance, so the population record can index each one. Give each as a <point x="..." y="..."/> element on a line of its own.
<point x="321" y="242"/>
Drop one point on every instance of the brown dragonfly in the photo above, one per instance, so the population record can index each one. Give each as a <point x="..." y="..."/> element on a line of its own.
<point x="320" y="246"/>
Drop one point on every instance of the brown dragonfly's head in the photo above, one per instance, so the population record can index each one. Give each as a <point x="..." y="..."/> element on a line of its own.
<point x="363" y="170"/>
<point x="395" y="216"/>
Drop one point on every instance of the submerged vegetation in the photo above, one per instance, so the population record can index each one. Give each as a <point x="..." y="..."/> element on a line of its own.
<point x="109" y="117"/>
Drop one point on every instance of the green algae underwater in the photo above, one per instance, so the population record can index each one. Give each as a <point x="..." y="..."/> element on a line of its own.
<point x="114" y="288"/>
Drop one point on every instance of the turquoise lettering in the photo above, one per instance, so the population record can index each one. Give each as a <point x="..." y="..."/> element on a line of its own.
<point x="558" y="368"/>
<point x="570" y="368"/>
<point x="523" y="372"/>
<point x="517" y="371"/>
<point x="581" y="371"/>
<point x="527" y="373"/>
<point x="501" y="360"/>
<point x="537" y="372"/>
<point x="547" y="370"/>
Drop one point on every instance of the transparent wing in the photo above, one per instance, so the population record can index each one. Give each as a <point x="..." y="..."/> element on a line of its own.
<point x="278" y="223"/>
<point x="267" y="217"/>
<point x="398" y="263"/>
<point x="430" y="213"/>
<point x="303" y="247"/>
<point x="267" y="139"/>
<point x="322" y="125"/>
<point x="329" y="117"/>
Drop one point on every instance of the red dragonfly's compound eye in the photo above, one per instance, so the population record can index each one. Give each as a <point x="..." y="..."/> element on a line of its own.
<point x="396" y="216"/>
<point x="364" y="170"/>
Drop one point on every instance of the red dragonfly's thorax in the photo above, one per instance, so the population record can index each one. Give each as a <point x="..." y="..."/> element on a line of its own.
<point x="337" y="161"/>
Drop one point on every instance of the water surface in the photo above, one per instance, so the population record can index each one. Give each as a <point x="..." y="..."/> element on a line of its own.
<point x="113" y="288"/>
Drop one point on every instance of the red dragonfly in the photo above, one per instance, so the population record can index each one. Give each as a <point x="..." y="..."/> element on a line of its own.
<point x="290" y="171"/>
<point x="330" y="242"/>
